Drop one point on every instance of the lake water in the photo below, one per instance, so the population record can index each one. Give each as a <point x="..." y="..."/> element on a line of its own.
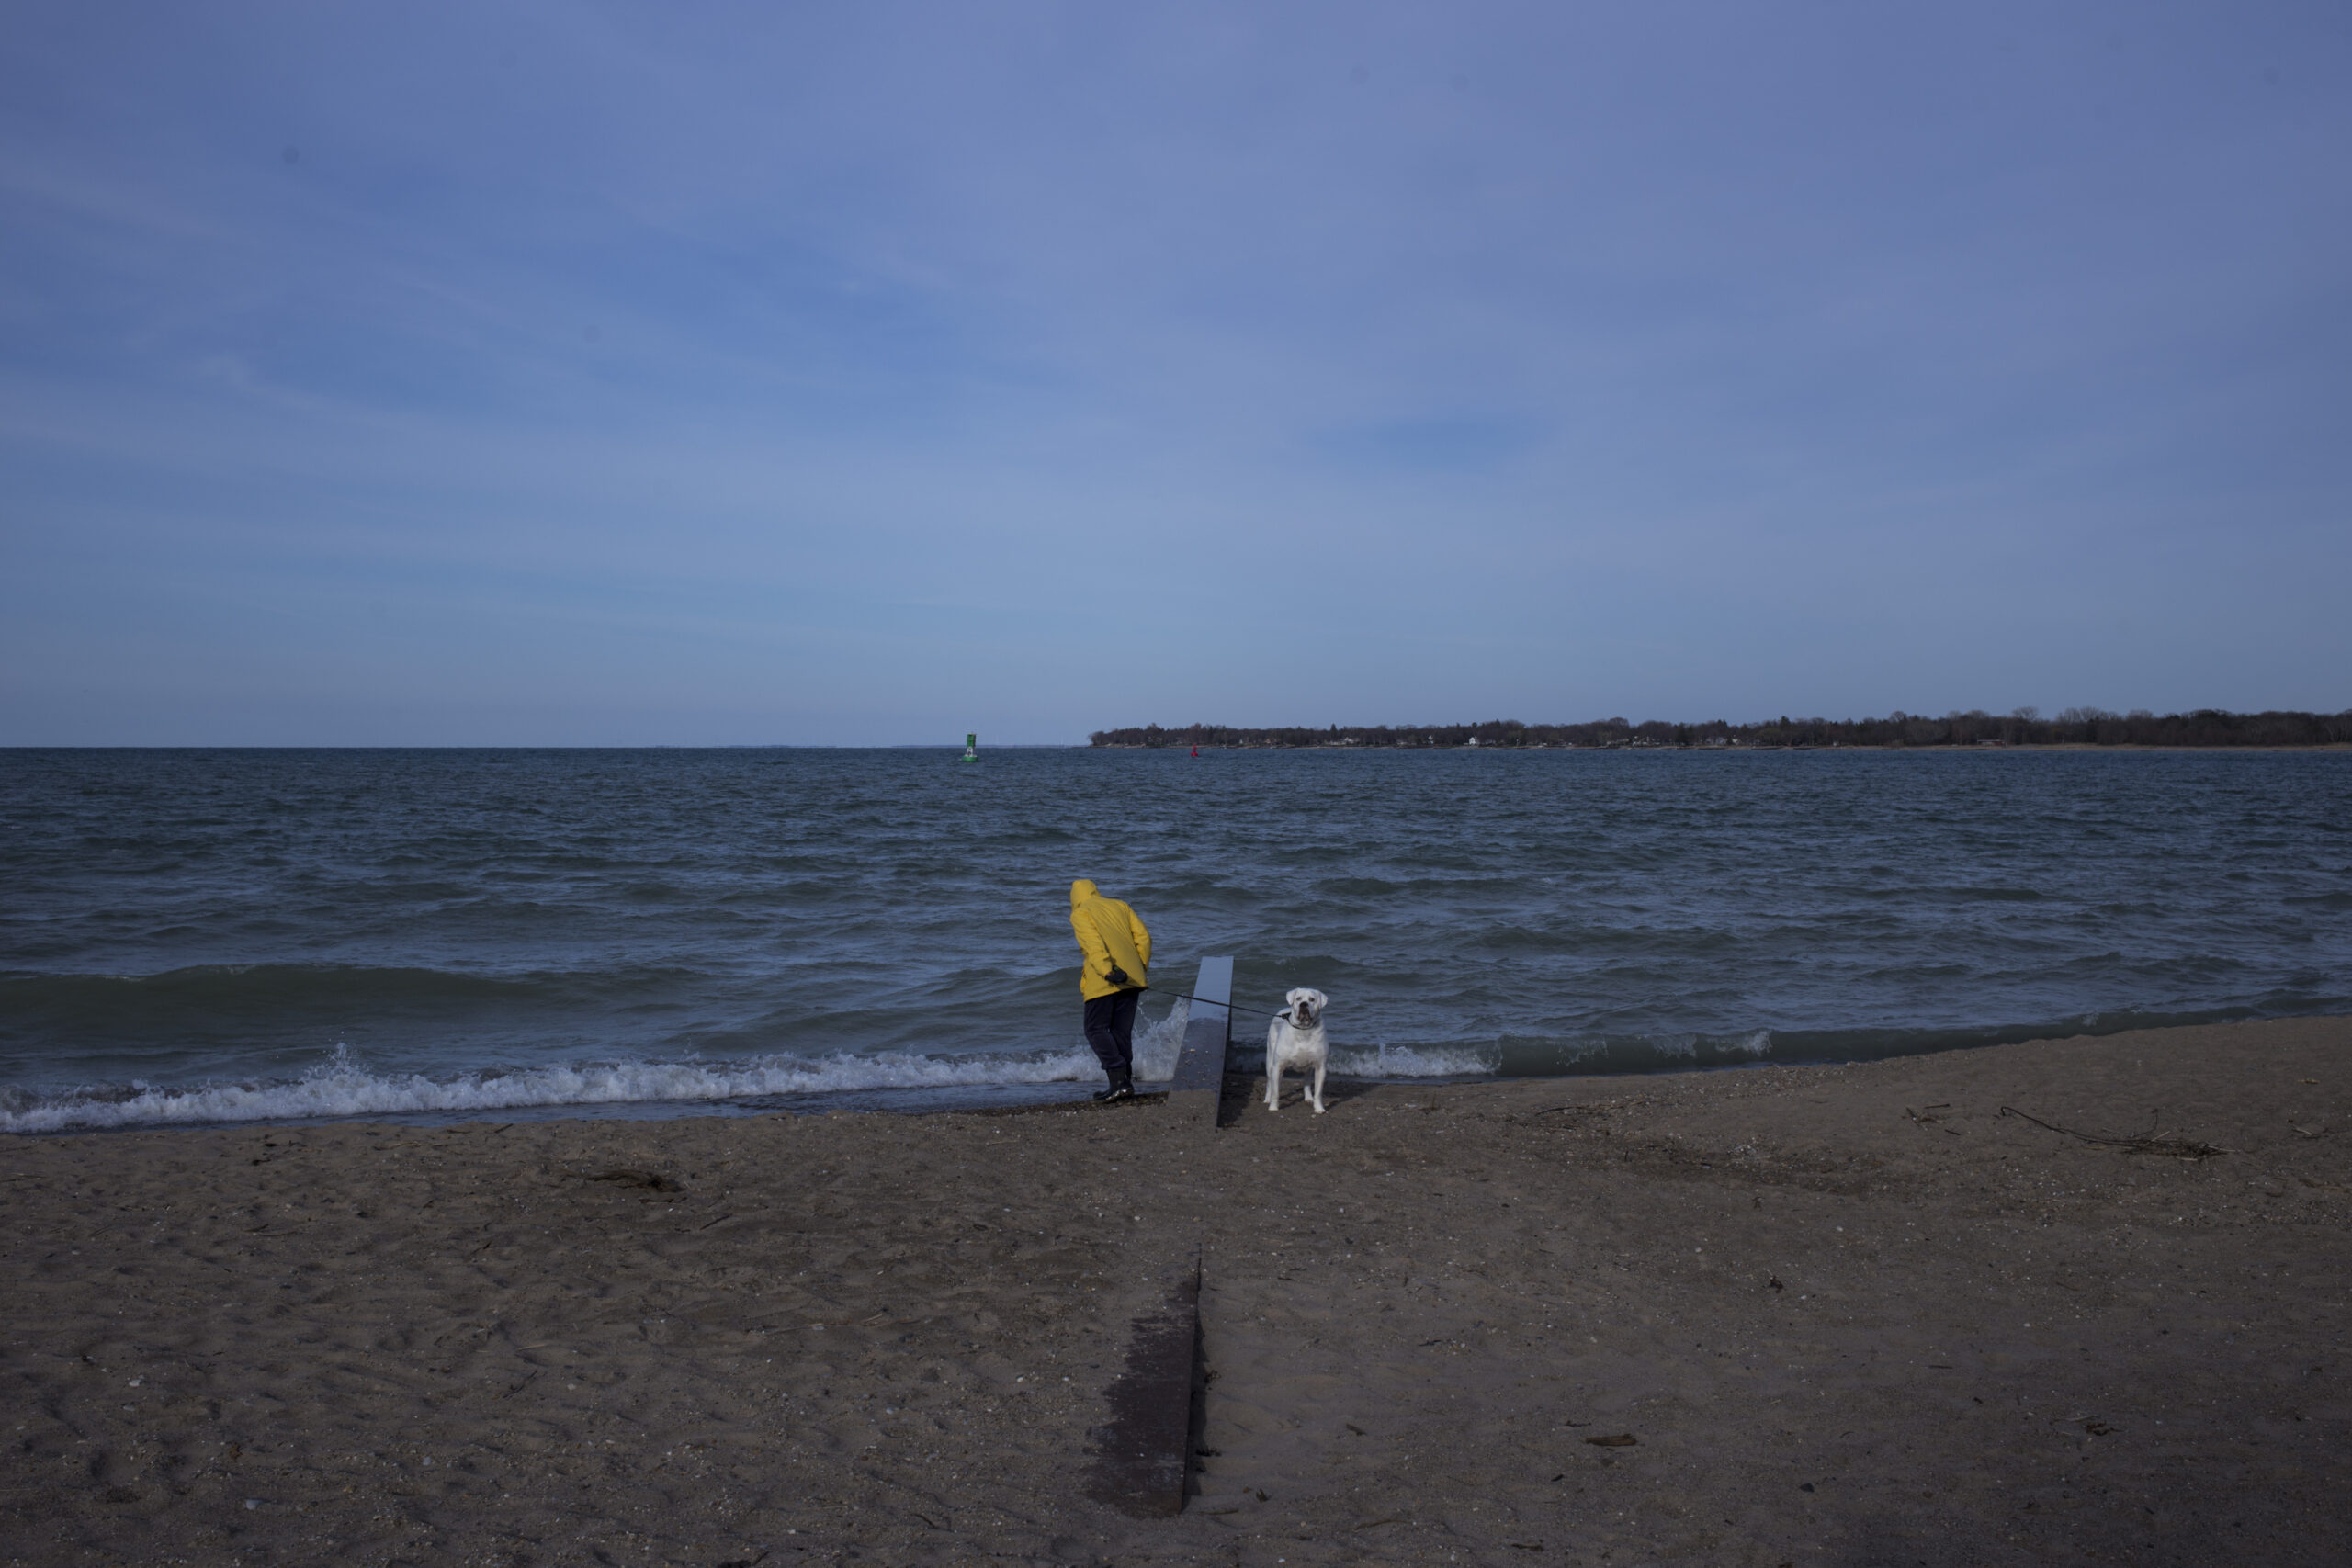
<point x="194" y="936"/>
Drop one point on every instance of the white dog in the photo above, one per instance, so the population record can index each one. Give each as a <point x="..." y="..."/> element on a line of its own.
<point x="1296" y="1040"/>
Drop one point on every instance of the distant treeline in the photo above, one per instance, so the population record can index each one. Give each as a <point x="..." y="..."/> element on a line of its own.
<point x="2025" y="727"/>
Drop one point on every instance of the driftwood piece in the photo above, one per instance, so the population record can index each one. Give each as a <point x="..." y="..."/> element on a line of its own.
<point x="2152" y="1142"/>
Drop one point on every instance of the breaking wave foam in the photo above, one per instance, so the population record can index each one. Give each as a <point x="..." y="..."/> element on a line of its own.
<point x="343" y="1086"/>
<point x="343" y="1089"/>
<point x="1410" y="1062"/>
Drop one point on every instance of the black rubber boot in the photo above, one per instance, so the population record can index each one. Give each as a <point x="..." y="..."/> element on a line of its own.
<point x="1123" y="1087"/>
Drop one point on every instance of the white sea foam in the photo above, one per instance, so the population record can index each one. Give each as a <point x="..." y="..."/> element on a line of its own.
<point x="349" y="1090"/>
<point x="343" y="1086"/>
<point x="1687" y="1047"/>
<point x="1410" y="1062"/>
<point x="1157" y="1047"/>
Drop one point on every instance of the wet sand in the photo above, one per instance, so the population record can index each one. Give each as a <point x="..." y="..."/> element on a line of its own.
<point x="1844" y="1314"/>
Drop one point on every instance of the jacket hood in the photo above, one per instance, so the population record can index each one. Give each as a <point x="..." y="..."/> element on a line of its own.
<point x="1080" y="892"/>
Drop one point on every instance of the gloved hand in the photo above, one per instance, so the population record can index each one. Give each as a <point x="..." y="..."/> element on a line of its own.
<point x="1119" y="976"/>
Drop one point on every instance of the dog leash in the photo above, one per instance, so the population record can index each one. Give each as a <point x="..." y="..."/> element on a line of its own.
<point x="1206" y="1003"/>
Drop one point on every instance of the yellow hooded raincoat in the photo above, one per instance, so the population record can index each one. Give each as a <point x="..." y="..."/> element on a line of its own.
<point x="1108" y="932"/>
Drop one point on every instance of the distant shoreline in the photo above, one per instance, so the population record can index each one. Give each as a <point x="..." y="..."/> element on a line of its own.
<point x="2077" y="728"/>
<point x="1571" y="746"/>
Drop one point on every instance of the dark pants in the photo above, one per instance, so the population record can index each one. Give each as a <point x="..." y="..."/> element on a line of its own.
<point x="1110" y="1029"/>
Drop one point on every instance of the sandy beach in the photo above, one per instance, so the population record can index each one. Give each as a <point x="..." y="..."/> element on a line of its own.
<point x="1821" y="1315"/>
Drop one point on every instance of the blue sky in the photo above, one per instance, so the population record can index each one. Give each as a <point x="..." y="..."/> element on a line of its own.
<point x="697" y="373"/>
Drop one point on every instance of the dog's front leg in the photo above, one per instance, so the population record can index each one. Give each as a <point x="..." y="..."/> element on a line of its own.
<point x="1319" y="1089"/>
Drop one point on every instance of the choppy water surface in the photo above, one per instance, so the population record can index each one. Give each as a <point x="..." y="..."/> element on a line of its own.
<point x="202" y="936"/>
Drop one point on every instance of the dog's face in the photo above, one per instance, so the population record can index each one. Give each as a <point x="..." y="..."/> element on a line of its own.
<point x="1307" y="1007"/>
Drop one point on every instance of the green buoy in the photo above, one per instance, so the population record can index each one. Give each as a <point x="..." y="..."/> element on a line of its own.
<point x="971" y="749"/>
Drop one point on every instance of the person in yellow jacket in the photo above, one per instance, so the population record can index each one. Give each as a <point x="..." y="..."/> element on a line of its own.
<point x="1113" y="978"/>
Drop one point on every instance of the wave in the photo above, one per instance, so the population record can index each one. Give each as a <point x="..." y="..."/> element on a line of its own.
<point x="1411" y="1062"/>
<point x="343" y="1086"/>
<point x="1543" y="1056"/>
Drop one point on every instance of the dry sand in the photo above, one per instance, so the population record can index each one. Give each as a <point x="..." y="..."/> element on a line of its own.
<point x="1845" y="1314"/>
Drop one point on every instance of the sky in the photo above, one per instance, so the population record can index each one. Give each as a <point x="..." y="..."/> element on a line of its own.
<point x="698" y="373"/>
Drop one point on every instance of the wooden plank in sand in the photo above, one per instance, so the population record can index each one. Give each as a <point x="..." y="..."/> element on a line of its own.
<point x="1143" y="1454"/>
<point x="1199" y="1082"/>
